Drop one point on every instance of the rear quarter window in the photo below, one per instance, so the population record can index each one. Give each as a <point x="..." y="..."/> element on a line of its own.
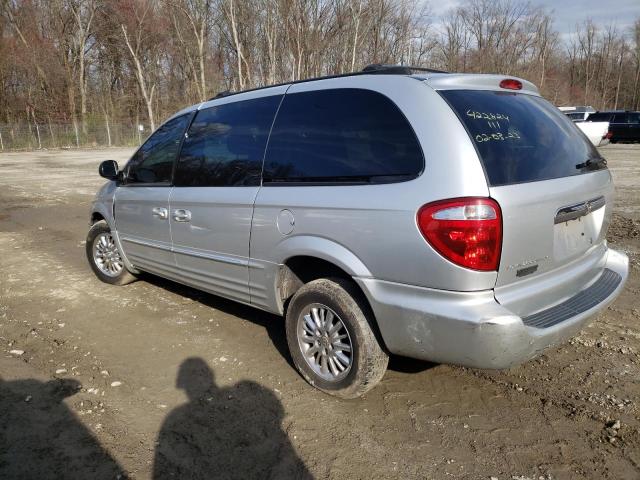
<point x="619" y="118"/>
<point x="341" y="136"/>
<point x="522" y="138"/>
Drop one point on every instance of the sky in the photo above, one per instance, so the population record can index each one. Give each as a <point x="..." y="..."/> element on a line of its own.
<point x="568" y="13"/>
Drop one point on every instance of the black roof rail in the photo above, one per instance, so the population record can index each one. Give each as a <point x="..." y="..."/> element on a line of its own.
<point x="224" y="93"/>
<point x="397" y="69"/>
<point x="374" y="69"/>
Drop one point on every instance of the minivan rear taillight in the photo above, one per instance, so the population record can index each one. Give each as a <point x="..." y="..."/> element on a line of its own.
<point x="466" y="231"/>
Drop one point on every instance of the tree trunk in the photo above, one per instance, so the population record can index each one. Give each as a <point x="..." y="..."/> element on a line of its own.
<point x="615" y="105"/>
<point x="83" y="92"/>
<point x="238" y="45"/>
<point x="636" y="94"/>
<point x="53" y="138"/>
<point x="355" y="34"/>
<point x="75" y="130"/>
<point x="201" y="55"/>
<point x="147" y="95"/>
<point x="106" y="123"/>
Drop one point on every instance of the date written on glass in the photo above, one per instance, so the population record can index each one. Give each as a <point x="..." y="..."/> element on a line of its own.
<point x="487" y="115"/>
<point x="487" y="137"/>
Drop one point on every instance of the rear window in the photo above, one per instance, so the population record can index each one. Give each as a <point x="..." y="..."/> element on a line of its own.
<point x="522" y="138"/>
<point x="599" y="117"/>
<point x="575" y="116"/>
<point x="342" y="135"/>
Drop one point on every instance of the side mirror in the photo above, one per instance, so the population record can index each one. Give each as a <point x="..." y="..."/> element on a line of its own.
<point x="109" y="170"/>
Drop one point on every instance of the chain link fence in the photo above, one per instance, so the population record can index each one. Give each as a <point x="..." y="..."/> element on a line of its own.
<point x="48" y="136"/>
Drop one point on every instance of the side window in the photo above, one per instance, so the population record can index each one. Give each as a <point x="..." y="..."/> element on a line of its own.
<point x="341" y="135"/>
<point x="153" y="162"/>
<point x="634" y="118"/>
<point x="619" y="118"/>
<point x="225" y="144"/>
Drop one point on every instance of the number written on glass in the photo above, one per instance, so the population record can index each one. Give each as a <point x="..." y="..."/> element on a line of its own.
<point x="500" y="137"/>
<point x="487" y="115"/>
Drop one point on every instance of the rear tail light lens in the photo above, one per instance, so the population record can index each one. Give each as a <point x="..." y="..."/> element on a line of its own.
<point x="608" y="135"/>
<point x="511" y="84"/>
<point x="466" y="231"/>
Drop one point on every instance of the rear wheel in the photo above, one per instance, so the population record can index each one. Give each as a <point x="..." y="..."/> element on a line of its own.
<point x="331" y="340"/>
<point x="104" y="256"/>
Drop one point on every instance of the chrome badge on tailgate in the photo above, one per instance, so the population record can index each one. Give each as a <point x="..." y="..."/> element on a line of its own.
<point x="577" y="227"/>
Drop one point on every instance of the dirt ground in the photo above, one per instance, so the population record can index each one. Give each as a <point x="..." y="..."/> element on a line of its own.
<point x="157" y="380"/>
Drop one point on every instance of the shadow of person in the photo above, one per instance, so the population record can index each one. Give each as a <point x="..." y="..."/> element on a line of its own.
<point x="41" y="438"/>
<point x="224" y="433"/>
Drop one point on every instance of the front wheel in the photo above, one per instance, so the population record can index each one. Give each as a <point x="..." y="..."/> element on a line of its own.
<point x="331" y="340"/>
<point x="104" y="256"/>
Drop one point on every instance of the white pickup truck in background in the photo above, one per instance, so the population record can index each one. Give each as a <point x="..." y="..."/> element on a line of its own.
<point x="597" y="132"/>
<point x="578" y="114"/>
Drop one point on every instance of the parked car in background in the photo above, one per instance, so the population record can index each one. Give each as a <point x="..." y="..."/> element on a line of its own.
<point x="446" y="217"/>
<point x="597" y="132"/>
<point x="577" y="114"/>
<point x="624" y="126"/>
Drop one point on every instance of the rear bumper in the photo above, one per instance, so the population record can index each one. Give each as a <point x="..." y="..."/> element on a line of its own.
<point x="473" y="329"/>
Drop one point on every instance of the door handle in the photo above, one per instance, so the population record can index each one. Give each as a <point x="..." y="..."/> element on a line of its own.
<point x="181" y="215"/>
<point x="161" y="213"/>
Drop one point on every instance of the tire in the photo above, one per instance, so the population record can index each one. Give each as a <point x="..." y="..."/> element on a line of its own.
<point x="118" y="273"/>
<point x="344" y="374"/>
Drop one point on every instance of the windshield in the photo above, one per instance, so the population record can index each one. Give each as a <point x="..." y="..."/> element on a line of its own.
<point x="522" y="138"/>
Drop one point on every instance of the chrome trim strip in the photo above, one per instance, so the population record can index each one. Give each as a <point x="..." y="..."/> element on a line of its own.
<point x="147" y="243"/>
<point x="597" y="203"/>
<point x="573" y="212"/>
<point x="211" y="256"/>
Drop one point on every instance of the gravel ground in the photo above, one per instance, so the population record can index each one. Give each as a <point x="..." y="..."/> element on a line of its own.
<point x="157" y="380"/>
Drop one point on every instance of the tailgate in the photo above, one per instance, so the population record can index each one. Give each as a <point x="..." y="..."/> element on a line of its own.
<point x="553" y="188"/>
<point x="547" y="225"/>
<point x="553" y="239"/>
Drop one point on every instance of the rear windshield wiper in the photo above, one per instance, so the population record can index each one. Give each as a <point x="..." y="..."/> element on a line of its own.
<point x="594" y="163"/>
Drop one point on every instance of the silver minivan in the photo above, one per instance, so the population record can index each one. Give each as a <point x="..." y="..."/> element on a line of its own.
<point x="447" y="217"/>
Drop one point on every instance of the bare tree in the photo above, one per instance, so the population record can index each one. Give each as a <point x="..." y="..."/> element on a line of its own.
<point x="139" y="25"/>
<point x="199" y="16"/>
<point x="103" y="62"/>
<point x="84" y="12"/>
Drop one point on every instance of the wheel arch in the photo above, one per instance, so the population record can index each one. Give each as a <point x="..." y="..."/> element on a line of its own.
<point x="102" y="211"/>
<point x="303" y="258"/>
<point x="313" y="258"/>
<point x="99" y="212"/>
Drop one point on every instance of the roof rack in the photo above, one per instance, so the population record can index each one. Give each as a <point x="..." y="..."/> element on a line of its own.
<point x="382" y="68"/>
<point x="224" y="93"/>
<point x="373" y="69"/>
